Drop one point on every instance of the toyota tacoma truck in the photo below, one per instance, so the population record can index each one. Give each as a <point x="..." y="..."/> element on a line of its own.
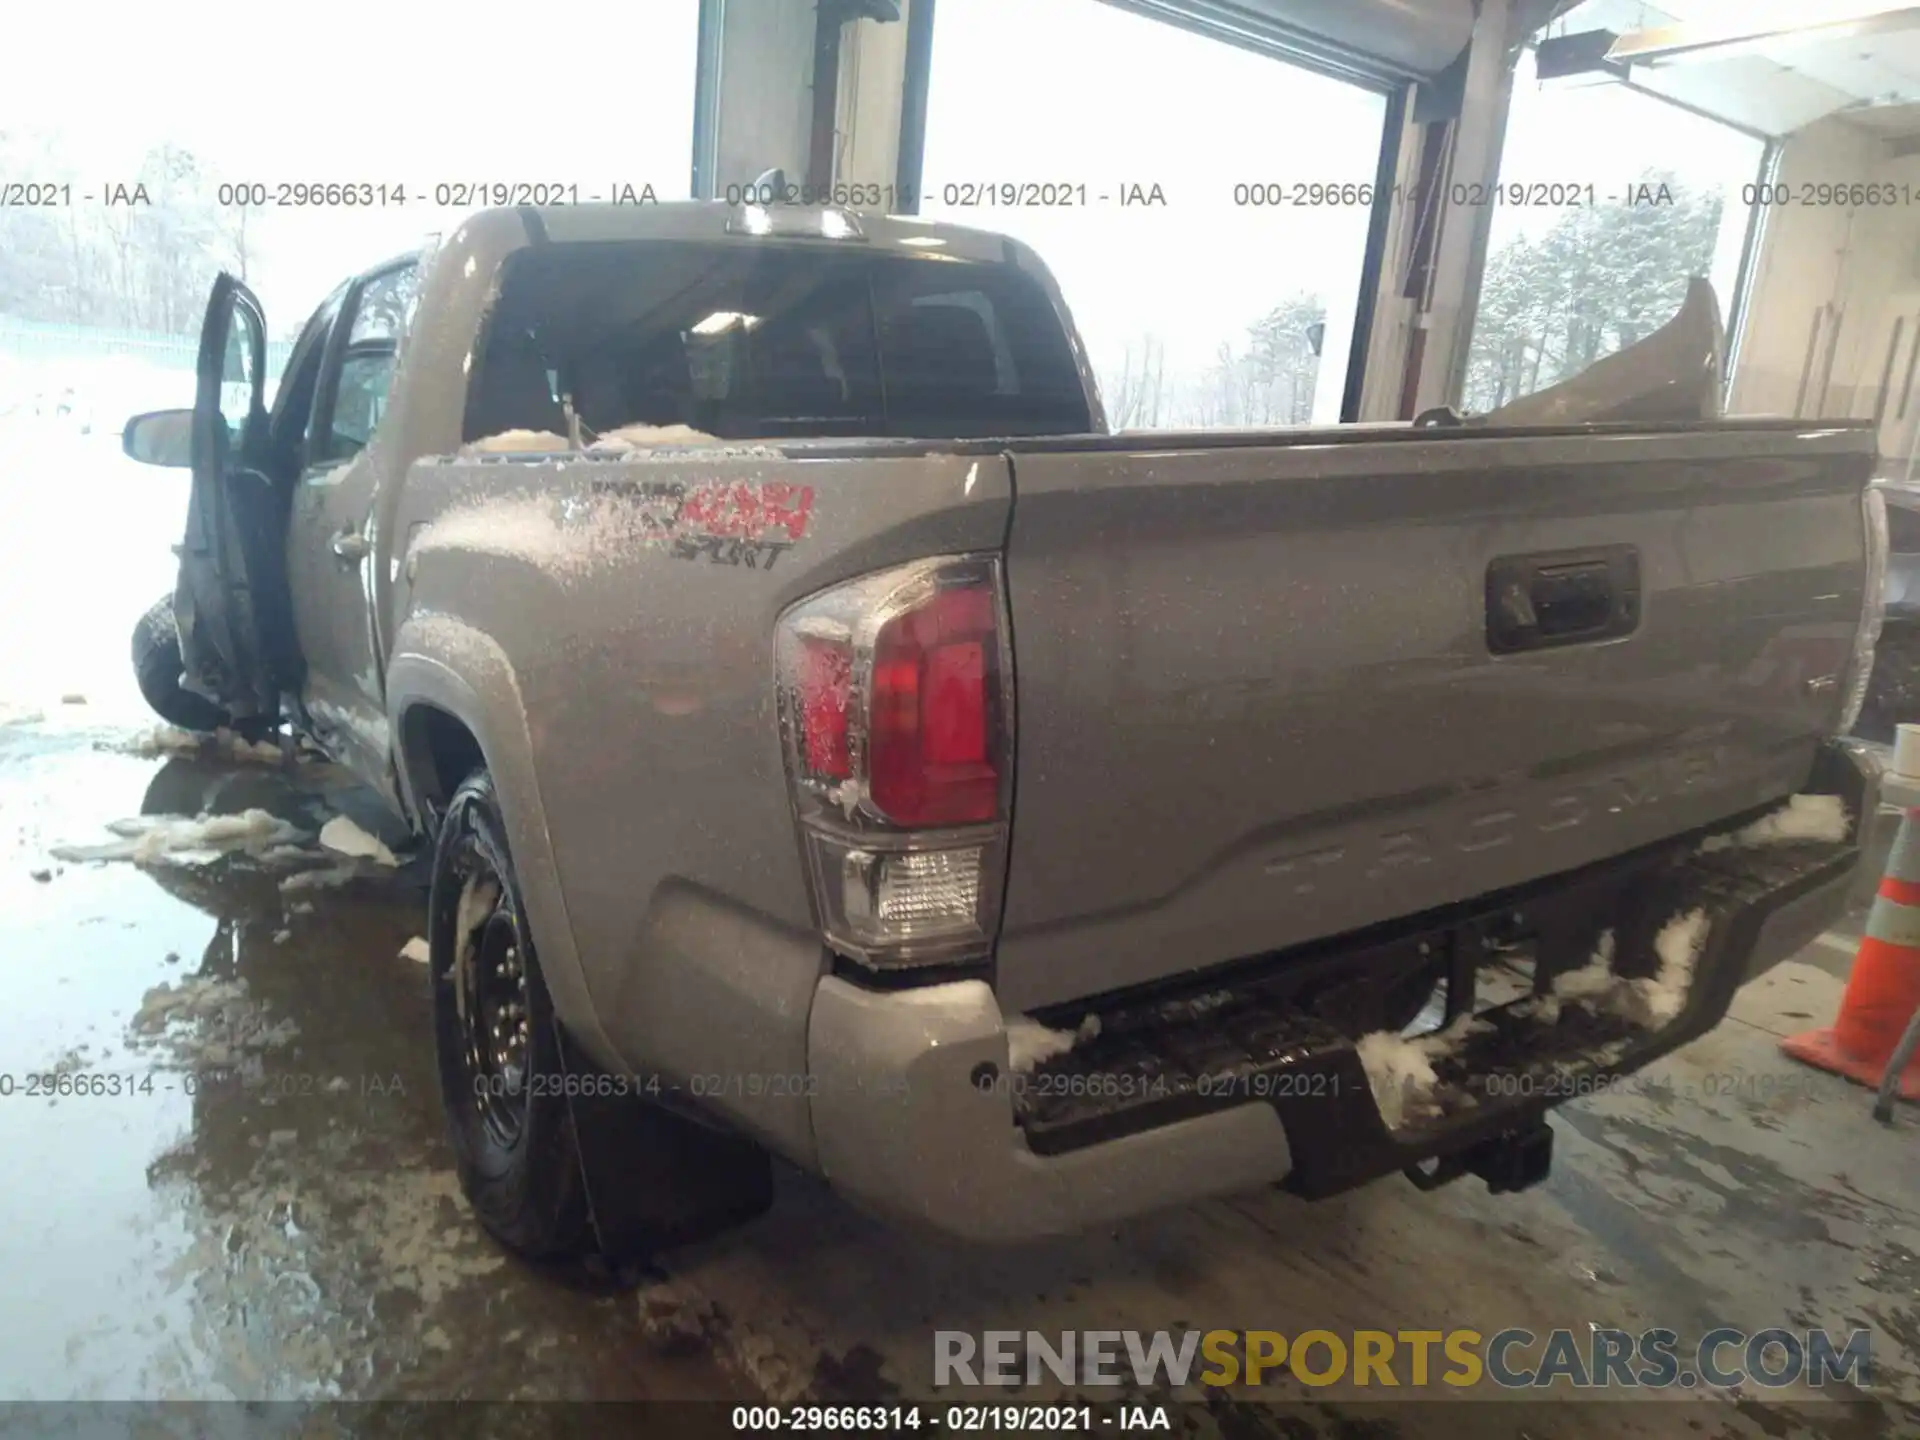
<point x="834" y="744"/>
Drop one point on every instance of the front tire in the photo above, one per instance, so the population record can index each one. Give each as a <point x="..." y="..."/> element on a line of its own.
<point x="157" y="669"/>
<point x="499" y="1055"/>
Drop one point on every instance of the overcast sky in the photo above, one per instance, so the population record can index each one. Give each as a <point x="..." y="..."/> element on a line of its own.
<point x="582" y="91"/>
<point x="592" y="92"/>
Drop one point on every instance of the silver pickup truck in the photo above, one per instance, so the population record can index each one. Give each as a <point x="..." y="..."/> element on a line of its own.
<point x="835" y="745"/>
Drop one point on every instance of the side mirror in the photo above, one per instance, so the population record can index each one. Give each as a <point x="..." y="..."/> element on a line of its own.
<point x="160" y="437"/>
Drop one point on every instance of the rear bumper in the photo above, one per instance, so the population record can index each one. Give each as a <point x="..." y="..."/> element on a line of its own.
<point x="902" y="1127"/>
<point x="914" y="1116"/>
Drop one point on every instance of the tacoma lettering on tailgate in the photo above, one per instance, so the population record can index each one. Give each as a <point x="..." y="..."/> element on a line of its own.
<point x="1539" y="812"/>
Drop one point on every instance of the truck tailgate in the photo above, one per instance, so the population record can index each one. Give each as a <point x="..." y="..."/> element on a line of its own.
<point x="1259" y="699"/>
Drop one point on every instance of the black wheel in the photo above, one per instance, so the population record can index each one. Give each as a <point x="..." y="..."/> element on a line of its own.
<point x="537" y="1128"/>
<point x="500" y="1061"/>
<point x="157" y="668"/>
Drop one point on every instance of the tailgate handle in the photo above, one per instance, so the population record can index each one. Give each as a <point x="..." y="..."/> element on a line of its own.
<point x="1564" y="597"/>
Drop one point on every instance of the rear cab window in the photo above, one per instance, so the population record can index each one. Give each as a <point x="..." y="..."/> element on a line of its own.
<point x="760" y="340"/>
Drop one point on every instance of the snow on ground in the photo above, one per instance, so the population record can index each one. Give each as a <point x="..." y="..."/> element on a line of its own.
<point x="417" y="949"/>
<point x="184" y="840"/>
<point x="1803" y="817"/>
<point x="342" y="836"/>
<point x="171" y="740"/>
<point x="207" y="1021"/>
<point x="88" y="544"/>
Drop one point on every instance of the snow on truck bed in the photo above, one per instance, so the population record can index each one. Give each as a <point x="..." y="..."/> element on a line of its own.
<point x="636" y="441"/>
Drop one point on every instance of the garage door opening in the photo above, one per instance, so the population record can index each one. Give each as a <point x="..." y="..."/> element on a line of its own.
<point x="1205" y="208"/>
<point x="1608" y="200"/>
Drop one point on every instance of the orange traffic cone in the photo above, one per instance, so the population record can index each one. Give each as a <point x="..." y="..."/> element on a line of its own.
<point x="1883" y="990"/>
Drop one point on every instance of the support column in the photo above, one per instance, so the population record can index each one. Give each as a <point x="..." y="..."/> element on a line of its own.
<point x="813" y="90"/>
<point x="762" y="80"/>
<point x="1472" y="160"/>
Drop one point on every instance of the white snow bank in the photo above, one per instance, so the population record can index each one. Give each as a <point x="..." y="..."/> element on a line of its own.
<point x="342" y="836"/>
<point x="1029" y="1043"/>
<point x="179" y="840"/>
<point x="11" y="714"/>
<point x="510" y="442"/>
<point x="1803" y="817"/>
<point x="1400" y="1070"/>
<point x="417" y="949"/>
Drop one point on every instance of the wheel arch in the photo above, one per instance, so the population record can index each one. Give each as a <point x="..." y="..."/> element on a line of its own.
<point x="453" y="696"/>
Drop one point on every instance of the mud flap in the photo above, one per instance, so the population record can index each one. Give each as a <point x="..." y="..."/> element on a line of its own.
<point x="655" y="1179"/>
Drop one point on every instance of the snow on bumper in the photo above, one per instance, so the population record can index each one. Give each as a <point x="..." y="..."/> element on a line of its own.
<point x="909" y="1124"/>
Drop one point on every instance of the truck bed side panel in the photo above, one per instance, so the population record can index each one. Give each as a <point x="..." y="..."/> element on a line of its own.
<point x="634" y="601"/>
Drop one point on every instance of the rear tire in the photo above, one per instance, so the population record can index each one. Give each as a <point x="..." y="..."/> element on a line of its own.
<point x="499" y="1055"/>
<point x="536" y="1127"/>
<point x="157" y="669"/>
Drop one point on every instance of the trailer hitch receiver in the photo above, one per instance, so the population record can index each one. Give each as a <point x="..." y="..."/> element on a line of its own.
<point x="1515" y="1161"/>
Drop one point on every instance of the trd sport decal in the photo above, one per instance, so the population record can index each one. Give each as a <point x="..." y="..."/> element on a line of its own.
<point x="727" y="522"/>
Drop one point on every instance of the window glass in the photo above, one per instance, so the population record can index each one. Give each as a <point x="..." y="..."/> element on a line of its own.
<point x="380" y="317"/>
<point x="238" y="373"/>
<point x="386" y="306"/>
<point x="1204" y="208"/>
<point x="364" y="381"/>
<point x="1609" y="200"/>
<point x="765" y="340"/>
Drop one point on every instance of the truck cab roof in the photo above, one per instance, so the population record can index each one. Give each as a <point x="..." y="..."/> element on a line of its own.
<point x="714" y="220"/>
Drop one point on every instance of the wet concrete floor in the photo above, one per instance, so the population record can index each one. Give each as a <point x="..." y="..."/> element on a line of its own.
<point x="238" y="1187"/>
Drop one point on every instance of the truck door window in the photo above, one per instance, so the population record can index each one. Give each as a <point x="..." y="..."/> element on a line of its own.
<point x="361" y="400"/>
<point x="237" y="377"/>
<point x="350" y="401"/>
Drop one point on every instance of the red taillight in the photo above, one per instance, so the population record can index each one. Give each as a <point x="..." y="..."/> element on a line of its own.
<point x="929" y="757"/>
<point x="896" y="710"/>
<point x="825" y="698"/>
